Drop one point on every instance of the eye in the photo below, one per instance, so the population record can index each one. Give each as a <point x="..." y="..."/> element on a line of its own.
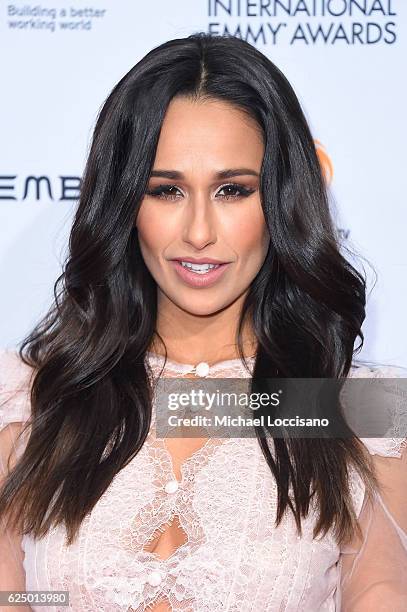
<point x="164" y="192"/>
<point x="234" y="187"/>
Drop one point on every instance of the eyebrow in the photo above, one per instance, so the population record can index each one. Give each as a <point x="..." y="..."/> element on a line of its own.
<point x="221" y="174"/>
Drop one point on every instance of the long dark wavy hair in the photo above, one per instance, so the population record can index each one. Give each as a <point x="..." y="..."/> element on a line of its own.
<point x="91" y="392"/>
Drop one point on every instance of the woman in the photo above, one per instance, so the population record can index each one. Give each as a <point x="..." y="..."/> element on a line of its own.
<point x="201" y="157"/>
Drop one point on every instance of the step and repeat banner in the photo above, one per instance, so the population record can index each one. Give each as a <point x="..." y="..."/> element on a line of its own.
<point x="346" y="60"/>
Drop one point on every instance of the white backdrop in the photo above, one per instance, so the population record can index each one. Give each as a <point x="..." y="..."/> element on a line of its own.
<point x="346" y="60"/>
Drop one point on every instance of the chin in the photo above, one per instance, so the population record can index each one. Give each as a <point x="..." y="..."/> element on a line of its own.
<point x="200" y="306"/>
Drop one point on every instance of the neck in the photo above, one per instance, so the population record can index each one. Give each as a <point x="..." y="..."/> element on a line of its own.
<point x="191" y="338"/>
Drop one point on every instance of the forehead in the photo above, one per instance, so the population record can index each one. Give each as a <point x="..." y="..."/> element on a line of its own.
<point x="208" y="134"/>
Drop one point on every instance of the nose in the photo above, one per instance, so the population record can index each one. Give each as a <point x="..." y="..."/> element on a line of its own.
<point x="199" y="223"/>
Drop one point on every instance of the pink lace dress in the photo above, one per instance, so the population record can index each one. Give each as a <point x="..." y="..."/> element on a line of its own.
<point x="233" y="558"/>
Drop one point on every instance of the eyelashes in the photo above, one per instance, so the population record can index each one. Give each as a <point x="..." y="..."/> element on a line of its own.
<point x="164" y="192"/>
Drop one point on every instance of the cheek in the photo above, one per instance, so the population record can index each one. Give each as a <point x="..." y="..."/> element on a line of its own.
<point x="153" y="229"/>
<point x="249" y="234"/>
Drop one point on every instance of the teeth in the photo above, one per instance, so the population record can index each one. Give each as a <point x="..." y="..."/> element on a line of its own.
<point x="199" y="268"/>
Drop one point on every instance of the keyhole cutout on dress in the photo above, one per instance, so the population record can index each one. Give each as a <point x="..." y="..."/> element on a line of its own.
<point x="162" y="605"/>
<point x="166" y="539"/>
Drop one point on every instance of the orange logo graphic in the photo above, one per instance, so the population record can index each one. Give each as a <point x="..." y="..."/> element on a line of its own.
<point x="325" y="162"/>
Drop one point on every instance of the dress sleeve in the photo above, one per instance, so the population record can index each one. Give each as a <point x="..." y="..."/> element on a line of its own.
<point x="373" y="566"/>
<point x="14" y="412"/>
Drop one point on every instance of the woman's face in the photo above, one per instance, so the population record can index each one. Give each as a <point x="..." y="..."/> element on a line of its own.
<point x="192" y="212"/>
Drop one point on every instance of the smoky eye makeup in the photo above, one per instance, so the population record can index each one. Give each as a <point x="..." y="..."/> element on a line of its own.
<point x="231" y="191"/>
<point x="164" y="192"/>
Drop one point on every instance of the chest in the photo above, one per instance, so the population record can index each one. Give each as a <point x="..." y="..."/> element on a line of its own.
<point x="199" y="528"/>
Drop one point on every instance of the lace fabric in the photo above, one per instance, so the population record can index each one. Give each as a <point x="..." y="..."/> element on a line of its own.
<point x="217" y="511"/>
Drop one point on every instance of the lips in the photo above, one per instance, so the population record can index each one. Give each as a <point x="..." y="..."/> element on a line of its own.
<point x="204" y="260"/>
<point x="199" y="280"/>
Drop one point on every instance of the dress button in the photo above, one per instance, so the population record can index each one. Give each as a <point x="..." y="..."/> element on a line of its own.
<point x="171" y="486"/>
<point x="202" y="369"/>
<point x="154" y="578"/>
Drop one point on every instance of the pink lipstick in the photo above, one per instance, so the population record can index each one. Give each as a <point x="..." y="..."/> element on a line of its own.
<point x="197" y="273"/>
